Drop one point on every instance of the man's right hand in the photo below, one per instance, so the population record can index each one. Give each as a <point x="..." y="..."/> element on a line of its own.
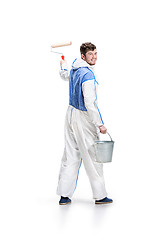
<point x="63" y="61"/>
<point x="103" y="129"/>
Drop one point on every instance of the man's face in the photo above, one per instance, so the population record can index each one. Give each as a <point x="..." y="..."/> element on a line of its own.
<point x="91" y="57"/>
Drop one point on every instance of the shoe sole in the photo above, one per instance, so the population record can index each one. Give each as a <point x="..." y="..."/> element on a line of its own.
<point x="64" y="203"/>
<point x="103" y="202"/>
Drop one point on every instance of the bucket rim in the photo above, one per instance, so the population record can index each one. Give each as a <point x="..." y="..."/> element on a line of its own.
<point x="101" y="141"/>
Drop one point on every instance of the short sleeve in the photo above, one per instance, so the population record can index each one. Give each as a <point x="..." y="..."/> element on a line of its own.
<point x="88" y="76"/>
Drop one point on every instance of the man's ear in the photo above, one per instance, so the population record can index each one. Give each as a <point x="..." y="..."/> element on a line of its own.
<point x="83" y="57"/>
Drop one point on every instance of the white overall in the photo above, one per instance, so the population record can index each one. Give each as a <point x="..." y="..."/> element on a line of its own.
<point x="81" y="130"/>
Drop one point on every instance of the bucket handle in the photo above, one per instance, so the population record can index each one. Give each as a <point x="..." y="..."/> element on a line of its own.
<point x="110" y="136"/>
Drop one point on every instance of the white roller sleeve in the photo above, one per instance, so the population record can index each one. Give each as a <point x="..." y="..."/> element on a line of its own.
<point x="61" y="44"/>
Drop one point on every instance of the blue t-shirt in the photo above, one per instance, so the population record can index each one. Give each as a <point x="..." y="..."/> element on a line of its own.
<point x="76" y="78"/>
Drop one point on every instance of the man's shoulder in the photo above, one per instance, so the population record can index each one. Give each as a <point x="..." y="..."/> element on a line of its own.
<point x="85" y="71"/>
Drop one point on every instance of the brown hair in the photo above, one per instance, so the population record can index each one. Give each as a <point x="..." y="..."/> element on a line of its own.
<point x="85" y="47"/>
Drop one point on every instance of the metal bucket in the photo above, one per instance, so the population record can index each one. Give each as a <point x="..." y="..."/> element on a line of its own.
<point x="104" y="150"/>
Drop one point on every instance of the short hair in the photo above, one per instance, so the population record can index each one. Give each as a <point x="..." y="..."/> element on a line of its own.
<point x="85" y="47"/>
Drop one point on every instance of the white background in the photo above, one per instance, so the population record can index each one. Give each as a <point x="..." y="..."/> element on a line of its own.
<point x="33" y="102"/>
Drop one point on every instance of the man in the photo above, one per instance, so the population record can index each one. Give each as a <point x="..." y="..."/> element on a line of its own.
<point x="82" y="126"/>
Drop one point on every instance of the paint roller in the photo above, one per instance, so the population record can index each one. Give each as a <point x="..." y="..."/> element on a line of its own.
<point x="64" y="44"/>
